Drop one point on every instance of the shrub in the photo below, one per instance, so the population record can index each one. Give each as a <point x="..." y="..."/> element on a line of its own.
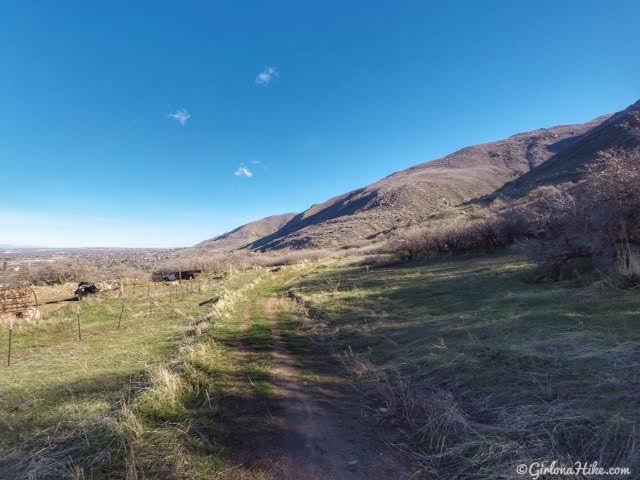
<point x="290" y="257"/>
<point x="462" y="235"/>
<point x="596" y="223"/>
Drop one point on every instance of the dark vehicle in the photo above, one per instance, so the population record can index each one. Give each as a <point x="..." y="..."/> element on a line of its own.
<point x="173" y="276"/>
<point x="189" y="274"/>
<point x="85" y="288"/>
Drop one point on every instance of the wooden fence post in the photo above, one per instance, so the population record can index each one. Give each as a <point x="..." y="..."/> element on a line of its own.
<point x="121" y="312"/>
<point x="10" y="335"/>
<point x="78" y="316"/>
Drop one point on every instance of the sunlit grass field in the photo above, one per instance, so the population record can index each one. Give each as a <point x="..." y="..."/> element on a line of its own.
<point x="60" y="388"/>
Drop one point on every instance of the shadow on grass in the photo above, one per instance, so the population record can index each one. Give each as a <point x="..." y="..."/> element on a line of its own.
<point x="509" y="356"/>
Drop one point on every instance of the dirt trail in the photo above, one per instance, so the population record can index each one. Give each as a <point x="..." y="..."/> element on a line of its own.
<point x="320" y="438"/>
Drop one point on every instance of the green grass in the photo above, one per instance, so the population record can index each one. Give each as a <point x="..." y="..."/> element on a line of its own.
<point x="52" y="373"/>
<point x="469" y="363"/>
<point x="290" y="329"/>
<point x="259" y="335"/>
<point x="259" y="338"/>
<point x="61" y="396"/>
<point x="259" y="376"/>
<point x="470" y="355"/>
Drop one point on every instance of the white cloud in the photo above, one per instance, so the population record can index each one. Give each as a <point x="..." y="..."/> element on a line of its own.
<point x="243" y="172"/>
<point x="266" y="76"/>
<point x="181" y="116"/>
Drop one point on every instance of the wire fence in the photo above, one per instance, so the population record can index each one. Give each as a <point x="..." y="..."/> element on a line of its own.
<point x="20" y="310"/>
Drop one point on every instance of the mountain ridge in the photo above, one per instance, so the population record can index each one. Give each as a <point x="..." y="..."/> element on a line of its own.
<point x="437" y="188"/>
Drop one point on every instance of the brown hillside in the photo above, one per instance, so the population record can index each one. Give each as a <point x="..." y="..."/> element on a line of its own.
<point x="246" y="234"/>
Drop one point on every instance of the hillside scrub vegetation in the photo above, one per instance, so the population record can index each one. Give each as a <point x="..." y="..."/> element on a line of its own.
<point x="487" y="231"/>
<point x="594" y="224"/>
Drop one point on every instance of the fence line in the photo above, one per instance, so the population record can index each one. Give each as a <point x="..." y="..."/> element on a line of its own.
<point x="136" y="292"/>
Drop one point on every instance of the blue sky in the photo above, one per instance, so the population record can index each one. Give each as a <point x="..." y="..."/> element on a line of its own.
<point x="162" y="123"/>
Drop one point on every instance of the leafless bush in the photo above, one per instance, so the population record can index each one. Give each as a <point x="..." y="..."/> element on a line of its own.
<point x="594" y="224"/>
<point x="189" y="261"/>
<point x="48" y="274"/>
<point x="291" y="257"/>
<point x="462" y="235"/>
<point x="58" y="272"/>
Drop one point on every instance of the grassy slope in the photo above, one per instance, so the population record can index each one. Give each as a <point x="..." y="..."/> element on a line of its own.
<point x="175" y="393"/>
<point x="478" y="368"/>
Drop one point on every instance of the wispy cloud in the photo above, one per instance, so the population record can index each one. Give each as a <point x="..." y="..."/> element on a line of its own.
<point x="243" y="172"/>
<point x="181" y="116"/>
<point x="267" y="76"/>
